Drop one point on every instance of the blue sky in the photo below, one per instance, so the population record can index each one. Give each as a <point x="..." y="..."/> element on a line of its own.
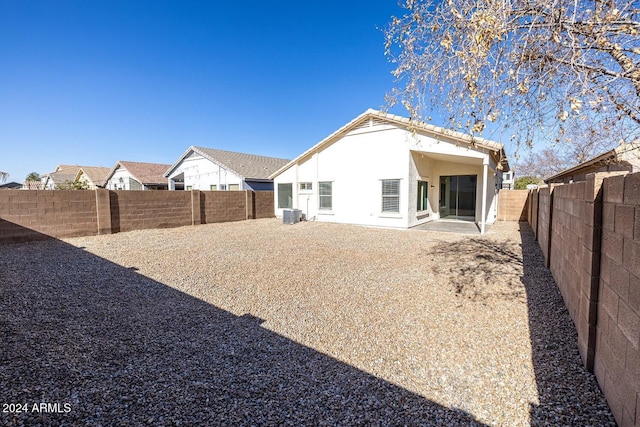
<point x="92" y="82"/>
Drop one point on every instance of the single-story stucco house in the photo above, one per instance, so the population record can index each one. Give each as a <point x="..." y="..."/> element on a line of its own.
<point x="201" y="168"/>
<point x="125" y="175"/>
<point x="625" y="157"/>
<point x="386" y="170"/>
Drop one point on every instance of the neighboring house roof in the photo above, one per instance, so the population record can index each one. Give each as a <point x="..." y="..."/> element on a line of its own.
<point x="421" y="127"/>
<point x="144" y="173"/>
<point x="11" y="186"/>
<point x="33" y="185"/>
<point x="96" y="174"/>
<point x="624" y="157"/>
<point x="68" y="168"/>
<point x="247" y="166"/>
<point x="62" y="176"/>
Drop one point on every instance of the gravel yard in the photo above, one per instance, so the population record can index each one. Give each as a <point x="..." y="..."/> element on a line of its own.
<point x="260" y="323"/>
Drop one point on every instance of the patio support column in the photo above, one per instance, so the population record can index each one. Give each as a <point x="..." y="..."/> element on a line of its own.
<point x="172" y="184"/>
<point x="483" y="218"/>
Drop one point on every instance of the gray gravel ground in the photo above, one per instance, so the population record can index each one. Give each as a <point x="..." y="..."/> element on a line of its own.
<point x="260" y="323"/>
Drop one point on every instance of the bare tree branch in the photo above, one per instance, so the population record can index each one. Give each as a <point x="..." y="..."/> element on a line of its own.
<point x="532" y="66"/>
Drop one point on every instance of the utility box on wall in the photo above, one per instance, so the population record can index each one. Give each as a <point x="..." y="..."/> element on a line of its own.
<point x="291" y="216"/>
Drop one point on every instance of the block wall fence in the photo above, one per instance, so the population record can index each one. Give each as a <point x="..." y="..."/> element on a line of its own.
<point x="513" y="205"/>
<point x="589" y="233"/>
<point x="36" y="214"/>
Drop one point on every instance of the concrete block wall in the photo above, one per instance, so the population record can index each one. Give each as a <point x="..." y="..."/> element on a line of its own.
<point x="543" y="220"/>
<point x="225" y="206"/>
<point x="512" y="205"/>
<point x="575" y="257"/>
<point x="617" y="358"/>
<point x="264" y="206"/>
<point x="590" y="235"/>
<point x="532" y="217"/>
<point x="36" y="214"/>
<point x="138" y="210"/>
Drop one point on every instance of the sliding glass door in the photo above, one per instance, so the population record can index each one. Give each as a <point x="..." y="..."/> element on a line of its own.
<point x="458" y="196"/>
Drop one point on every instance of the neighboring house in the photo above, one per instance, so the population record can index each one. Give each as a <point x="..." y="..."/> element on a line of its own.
<point x="625" y="157"/>
<point x="63" y="176"/>
<point x="92" y="177"/>
<point x="386" y="170"/>
<point x="508" y="181"/>
<point x="137" y="176"/>
<point x="202" y="168"/>
<point x="11" y="186"/>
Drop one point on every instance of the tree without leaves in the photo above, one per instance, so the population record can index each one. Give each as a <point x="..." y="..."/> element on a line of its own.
<point x="542" y="164"/>
<point x="3" y="176"/>
<point x="539" y="67"/>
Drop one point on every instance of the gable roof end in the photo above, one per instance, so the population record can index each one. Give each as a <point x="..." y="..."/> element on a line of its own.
<point x="144" y="173"/>
<point x="406" y="123"/>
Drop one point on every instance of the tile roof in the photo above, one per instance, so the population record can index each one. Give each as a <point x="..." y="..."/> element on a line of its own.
<point x="144" y="173"/>
<point x="70" y="169"/>
<point x="248" y="166"/>
<point x="62" y="176"/>
<point x="97" y="174"/>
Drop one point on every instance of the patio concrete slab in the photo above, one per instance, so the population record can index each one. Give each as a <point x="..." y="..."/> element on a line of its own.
<point x="452" y="226"/>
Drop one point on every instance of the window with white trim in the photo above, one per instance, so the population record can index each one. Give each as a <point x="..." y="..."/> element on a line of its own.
<point x="325" y="195"/>
<point x="234" y="187"/>
<point x="391" y="195"/>
<point x="305" y="186"/>
<point x="213" y="187"/>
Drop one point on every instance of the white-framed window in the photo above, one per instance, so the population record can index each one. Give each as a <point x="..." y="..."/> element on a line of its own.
<point x="285" y="196"/>
<point x="189" y="187"/>
<point x="223" y="187"/>
<point x="234" y="187"/>
<point x="391" y="195"/>
<point x="213" y="187"/>
<point x="325" y="195"/>
<point x="423" y="193"/>
<point x="305" y="186"/>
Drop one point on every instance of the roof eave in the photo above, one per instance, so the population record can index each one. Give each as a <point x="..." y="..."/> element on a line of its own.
<point x="397" y="120"/>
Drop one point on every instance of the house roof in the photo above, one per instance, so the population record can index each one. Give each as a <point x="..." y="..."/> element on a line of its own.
<point x="144" y="173"/>
<point x="62" y="176"/>
<point x="247" y="166"/>
<point x="405" y="122"/>
<point x="96" y="174"/>
<point x="624" y="153"/>
<point x="74" y="168"/>
<point x="70" y="169"/>
<point x="11" y="185"/>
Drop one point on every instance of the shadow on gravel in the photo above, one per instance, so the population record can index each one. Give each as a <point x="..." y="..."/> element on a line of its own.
<point x="567" y="393"/>
<point x="472" y="266"/>
<point x="100" y="344"/>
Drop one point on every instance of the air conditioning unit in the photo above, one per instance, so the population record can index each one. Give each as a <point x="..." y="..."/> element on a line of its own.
<point x="291" y="216"/>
